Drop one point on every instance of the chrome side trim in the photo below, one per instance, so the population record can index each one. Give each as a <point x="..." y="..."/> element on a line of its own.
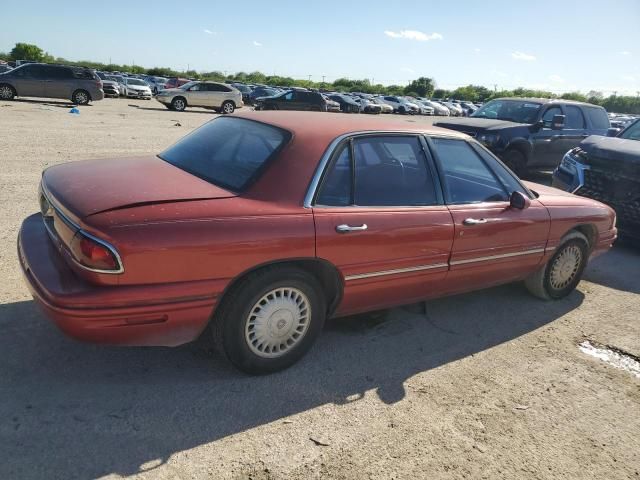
<point x="395" y="271"/>
<point x="496" y="257"/>
<point x="79" y="230"/>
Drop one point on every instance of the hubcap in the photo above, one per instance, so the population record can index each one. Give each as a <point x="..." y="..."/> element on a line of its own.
<point x="81" y="97"/>
<point x="179" y="104"/>
<point x="565" y="267"/>
<point x="228" y="107"/>
<point x="5" y="92"/>
<point x="277" y="322"/>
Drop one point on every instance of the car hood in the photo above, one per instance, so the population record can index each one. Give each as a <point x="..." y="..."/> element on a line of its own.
<point x="110" y="82"/>
<point x="137" y="87"/>
<point x="612" y="148"/>
<point x="89" y="187"/>
<point x="476" y="124"/>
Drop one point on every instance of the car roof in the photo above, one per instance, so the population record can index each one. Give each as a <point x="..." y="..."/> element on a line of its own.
<point x="549" y="100"/>
<point x="330" y="125"/>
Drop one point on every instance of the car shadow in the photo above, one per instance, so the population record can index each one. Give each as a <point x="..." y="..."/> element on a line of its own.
<point x="618" y="268"/>
<point x="51" y="103"/>
<point x="164" y="109"/>
<point x="73" y="410"/>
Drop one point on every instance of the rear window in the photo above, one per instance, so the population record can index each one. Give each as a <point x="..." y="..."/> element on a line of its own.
<point x="599" y="118"/>
<point x="228" y="152"/>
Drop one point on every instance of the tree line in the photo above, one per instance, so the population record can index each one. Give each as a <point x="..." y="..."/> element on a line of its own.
<point x="420" y="87"/>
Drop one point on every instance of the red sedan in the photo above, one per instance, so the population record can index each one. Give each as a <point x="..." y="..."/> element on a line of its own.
<point x="261" y="225"/>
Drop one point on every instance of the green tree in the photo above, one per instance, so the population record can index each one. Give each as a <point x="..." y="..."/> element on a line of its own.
<point x="423" y="86"/>
<point x="27" y="51"/>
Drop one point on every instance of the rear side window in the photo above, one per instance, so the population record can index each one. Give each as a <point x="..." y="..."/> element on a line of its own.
<point x="575" y="119"/>
<point x="80" y="73"/>
<point x="389" y="171"/>
<point x="599" y="118"/>
<point x="228" y="152"/>
<point x="467" y="179"/>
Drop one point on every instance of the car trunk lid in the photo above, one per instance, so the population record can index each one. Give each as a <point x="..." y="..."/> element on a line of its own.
<point x="89" y="187"/>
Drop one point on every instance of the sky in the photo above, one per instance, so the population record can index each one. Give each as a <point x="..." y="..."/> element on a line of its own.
<point x="554" y="45"/>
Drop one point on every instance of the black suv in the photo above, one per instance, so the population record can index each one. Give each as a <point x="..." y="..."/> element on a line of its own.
<point x="608" y="170"/>
<point x="78" y="84"/>
<point x="293" y="100"/>
<point x="531" y="132"/>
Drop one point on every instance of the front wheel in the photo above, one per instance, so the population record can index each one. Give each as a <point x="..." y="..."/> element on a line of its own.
<point x="228" y="107"/>
<point x="270" y="319"/>
<point x="80" y="97"/>
<point x="7" y="92"/>
<point x="562" y="273"/>
<point x="178" y="104"/>
<point x="516" y="161"/>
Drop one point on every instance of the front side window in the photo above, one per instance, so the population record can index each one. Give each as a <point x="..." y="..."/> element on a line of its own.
<point x="547" y="118"/>
<point x="228" y="152"/>
<point x="520" y="111"/>
<point x="467" y="179"/>
<point x="575" y="119"/>
<point x="389" y="171"/>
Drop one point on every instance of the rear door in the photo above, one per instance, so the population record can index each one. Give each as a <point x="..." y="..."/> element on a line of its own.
<point x="547" y="143"/>
<point x="574" y="131"/>
<point x="380" y="219"/>
<point x="58" y="82"/>
<point x="493" y="243"/>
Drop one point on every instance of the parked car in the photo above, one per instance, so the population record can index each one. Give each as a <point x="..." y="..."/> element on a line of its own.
<point x="293" y="100"/>
<point x="347" y="104"/>
<point x="137" y="88"/>
<point x="368" y="106"/>
<point x="121" y="85"/>
<point x="438" y="108"/>
<point x="244" y="90"/>
<point x="156" y="84"/>
<point x="425" y="109"/>
<point x="607" y="169"/>
<point x="217" y="96"/>
<point x="455" y="109"/>
<point x="5" y="68"/>
<point x="386" y="108"/>
<point x="80" y="85"/>
<point x="332" y="105"/>
<point x="110" y="85"/>
<point x="263" y="92"/>
<point x="176" y="82"/>
<point x="260" y="226"/>
<point x="531" y="132"/>
<point x="401" y="105"/>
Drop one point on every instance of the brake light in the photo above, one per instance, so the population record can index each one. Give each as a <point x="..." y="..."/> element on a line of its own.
<point x="94" y="254"/>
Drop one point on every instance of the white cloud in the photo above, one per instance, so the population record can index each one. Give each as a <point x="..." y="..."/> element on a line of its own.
<point x="628" y="78"/>
<point x="408" y="70"/>
<point x="498" y="73"/>
<point x="413" y="35"/>
<point x="625" y="53"/>
<point x="523" y="56"/>
<point x="477" y="50"/>
<point x="208" y="32"/>
<point x="256" y="44"/>
<point x="556" y="78"/>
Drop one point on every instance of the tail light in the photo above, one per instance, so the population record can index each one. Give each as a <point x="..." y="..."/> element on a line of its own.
<point x="94" y="254"/>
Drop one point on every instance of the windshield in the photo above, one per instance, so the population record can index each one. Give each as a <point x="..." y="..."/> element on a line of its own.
<point x="519" y="111"/>
<point x="187" y="85"/>
<point x="228" y="152"/>
<point x="135" y="81"/>
<point x="632" y="132"/>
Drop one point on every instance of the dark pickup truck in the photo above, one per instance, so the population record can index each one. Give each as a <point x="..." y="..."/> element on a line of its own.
<point x="607" y="169"/>
<point x="531" y="132"/>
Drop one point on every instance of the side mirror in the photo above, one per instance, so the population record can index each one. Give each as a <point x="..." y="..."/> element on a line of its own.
<point x="613" y="132"/>
<point x="558" y="122"/>
<point x="519" y="201"/>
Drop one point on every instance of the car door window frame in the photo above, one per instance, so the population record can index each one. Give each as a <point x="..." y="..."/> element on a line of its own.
<point x="441" y="175"/>
<point x="566" y="121"/>
<point x="336" y="148"/>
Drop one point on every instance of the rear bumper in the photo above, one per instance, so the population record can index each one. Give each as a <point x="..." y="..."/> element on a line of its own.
<point x="150" y="315"/>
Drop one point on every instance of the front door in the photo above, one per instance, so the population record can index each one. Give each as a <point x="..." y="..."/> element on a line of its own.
<point x="493" y="243"/>
<point x="380" y="219"/>
<point x="548" y="144"/>
<point x="31" y="81"/>
<point x="198" y="96"/>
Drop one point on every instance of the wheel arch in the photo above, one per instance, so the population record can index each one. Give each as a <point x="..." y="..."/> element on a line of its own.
<point x="322" y="270"/>
<point x="73" y="94"/>
<point x="588" y="230"/>
<point x="522" y="145"/>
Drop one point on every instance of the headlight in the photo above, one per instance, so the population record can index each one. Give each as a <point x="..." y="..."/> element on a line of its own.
<point x="488" y="138"/>
<point x="568" y="163"/>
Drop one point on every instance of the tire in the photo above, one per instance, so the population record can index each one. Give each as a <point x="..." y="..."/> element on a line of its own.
<point x="228" y="107"/>
<point x="402" y="110"/>
<point x="7" y="92"/>
<point x="559" y="277"/>
<point x="178" y="104"/>
<point x="516" y="161"/>
<point x="81" y="97"/>
<point x="237" y="329"/>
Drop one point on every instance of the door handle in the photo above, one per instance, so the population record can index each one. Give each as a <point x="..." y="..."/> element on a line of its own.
<point x="474" y="221"/>
<point x="348" y="228"/>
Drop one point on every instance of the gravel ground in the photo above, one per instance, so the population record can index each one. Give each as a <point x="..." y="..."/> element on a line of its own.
<point x="485" y="385"/>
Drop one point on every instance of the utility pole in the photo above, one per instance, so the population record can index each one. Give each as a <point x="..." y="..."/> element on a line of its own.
<point x="309" y="77"/>
<point x="615" y="93"/>
<point x="495" y="87"/>
<point x="323" y="79"/>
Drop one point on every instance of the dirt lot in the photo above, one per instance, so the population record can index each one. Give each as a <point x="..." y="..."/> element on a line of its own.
<point x="486" y="385"/>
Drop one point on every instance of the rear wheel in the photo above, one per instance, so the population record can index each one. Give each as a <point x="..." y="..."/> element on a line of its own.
<point x="516" y="161"/>
<point x="7" y="92"/>
<point x="178" y="104"/>
<point x="80" y="97"/>
<point x="228" y="107"/>
<point x="562" y="273"/>
<point x="270" y="319"/>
